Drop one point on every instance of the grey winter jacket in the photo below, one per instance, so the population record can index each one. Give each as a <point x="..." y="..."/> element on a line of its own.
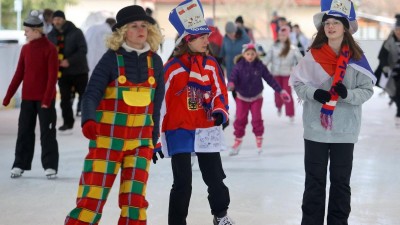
<point x="347" y="114"/>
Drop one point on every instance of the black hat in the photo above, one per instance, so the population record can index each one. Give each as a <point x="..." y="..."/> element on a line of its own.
<point x="239" y="19"/>
<point x="59" y="13"/>
<point x="397" y="24"/>
<point x="130" y="14"/>
<point x="33" y="20"/>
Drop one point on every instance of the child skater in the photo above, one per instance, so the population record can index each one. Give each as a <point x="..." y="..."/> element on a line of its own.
<point x="195" y="107"/>
<point x="281" y="58"/>
<point x="246" y="78"/>
<point x="333" y="80"/>
<point x="37" y="71"/>
<point x="120" y="116"/>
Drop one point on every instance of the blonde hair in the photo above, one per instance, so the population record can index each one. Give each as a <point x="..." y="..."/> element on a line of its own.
<point x="117" y="38"/>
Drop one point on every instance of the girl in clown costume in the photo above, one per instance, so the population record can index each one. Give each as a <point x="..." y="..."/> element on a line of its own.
<point x="334" y="79"/>
<point x="195" y="107"/>
<point x="120" y="116"/>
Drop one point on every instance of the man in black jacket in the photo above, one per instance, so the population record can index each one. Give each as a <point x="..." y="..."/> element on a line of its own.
<point x="73" y="72"/>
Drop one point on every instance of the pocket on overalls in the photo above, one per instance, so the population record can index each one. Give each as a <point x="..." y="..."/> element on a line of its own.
<point x="137" y="97"/>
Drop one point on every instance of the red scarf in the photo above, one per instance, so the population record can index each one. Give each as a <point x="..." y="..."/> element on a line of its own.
<point x="335" y="67"/>
<point x="199" y="84"/>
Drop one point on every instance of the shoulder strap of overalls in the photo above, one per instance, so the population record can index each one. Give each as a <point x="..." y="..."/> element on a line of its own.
<point x="121" y="68"/>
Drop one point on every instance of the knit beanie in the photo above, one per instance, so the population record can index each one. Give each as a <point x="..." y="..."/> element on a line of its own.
<point x="230" y="27"/>
<point x="33" y="20"/>
<point x="59" y="13"/>
<point x="239" y="19"/>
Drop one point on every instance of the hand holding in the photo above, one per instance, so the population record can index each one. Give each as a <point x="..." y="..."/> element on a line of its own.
<point x="322" y="96"/>
<point x="340" y="89"/>
<point x="155" y="158"/>
<point x="218" y="119"/>
<point x="64" y="63"/>
<point x="285" y="96"/>
<point x="89" y="129"/>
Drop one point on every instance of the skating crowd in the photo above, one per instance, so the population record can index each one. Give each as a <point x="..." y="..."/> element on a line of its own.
<point x="136" y="109"/>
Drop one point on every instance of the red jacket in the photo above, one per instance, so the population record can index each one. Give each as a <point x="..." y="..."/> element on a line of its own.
<point x="215" y="40"/>
<point x="176" y="112"/>
<point x="37" y="69"/>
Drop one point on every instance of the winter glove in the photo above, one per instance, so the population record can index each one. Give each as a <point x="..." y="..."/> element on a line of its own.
<point x="6" y="101"/>
<point x="155" y="158"/>
<point x="340" y="89"/>
<point x="285" y="96"/>
<point x="225" y="125"/>
<point x="218" y="119"/>
<point x="322" y="96"/>
<point x="89" y="129"/>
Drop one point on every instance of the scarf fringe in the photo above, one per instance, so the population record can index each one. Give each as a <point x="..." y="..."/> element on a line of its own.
<point x="326" y="121"/>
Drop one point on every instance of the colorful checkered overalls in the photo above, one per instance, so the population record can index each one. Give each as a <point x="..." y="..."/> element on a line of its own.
<point x="125" y="126"/>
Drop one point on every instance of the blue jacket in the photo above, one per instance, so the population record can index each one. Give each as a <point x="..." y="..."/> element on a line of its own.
<point x="232" y="48"/>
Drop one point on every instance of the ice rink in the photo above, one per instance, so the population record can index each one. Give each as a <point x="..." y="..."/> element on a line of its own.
<point x="265" y="189"/>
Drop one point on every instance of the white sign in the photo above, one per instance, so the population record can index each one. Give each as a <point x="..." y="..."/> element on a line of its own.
<point x="209" y="139"/>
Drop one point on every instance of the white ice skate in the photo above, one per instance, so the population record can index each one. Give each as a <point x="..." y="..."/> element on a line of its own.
<point x="236" y="147"/>
<point x="50" y="173"/>
<point x="16" y="172"/>
<point x="223" y="220"/>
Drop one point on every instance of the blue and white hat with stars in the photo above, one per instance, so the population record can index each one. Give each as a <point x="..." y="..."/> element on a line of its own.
<point x="188" y="18"/>
<point x="337" y="8"/>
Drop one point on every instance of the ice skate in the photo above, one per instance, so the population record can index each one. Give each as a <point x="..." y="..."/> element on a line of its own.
<point x="223" y="220"/>
<point x="236" y="147"/>
<point x="397" y="122"/>
<point x="259" y="140"/>
<point x="50" y="173"/>
<point x="16" y="172"/>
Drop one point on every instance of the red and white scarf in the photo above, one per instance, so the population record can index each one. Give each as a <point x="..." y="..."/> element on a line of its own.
<point x="335" y="67"/>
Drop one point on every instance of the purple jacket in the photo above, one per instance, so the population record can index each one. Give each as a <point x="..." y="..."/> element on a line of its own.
<point x="247" y="78"/>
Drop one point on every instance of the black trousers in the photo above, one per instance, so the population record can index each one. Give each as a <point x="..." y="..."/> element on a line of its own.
<point x="67" y="83"/>
<point x="213" y="174"/>
<point x="316" y="160"/>
<point x="26" y="135"/>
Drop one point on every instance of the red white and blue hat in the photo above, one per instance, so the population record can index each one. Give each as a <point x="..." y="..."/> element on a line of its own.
<point x="337" y="8"/>
<point x="188" y="18"/>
